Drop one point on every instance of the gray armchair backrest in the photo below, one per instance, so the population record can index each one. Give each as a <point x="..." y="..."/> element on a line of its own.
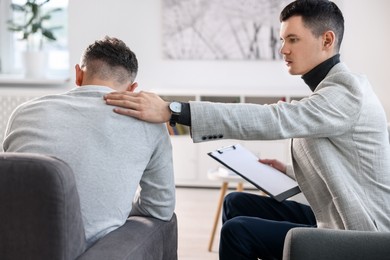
<point x="40" y="218"/>
<point x="40" y="214"/>
<point x="328" y="244"/>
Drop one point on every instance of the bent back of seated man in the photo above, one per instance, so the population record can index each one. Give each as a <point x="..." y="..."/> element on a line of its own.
<point x="111" y="155"/>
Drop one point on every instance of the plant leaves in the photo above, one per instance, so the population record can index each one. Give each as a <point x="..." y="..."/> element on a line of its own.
<point x="34" y="19"/>
<point x="18" y="8"/>
<point x="48" y="34"/>
<point x="55" y="10"/>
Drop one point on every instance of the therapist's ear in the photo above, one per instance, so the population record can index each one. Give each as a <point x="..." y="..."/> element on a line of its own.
<point x="328" y="39"/>
<point x="79" y="75"/>
<point x="132" y="87"/>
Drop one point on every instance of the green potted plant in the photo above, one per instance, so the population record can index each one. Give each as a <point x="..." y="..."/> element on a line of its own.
<point x="32" y="21"/>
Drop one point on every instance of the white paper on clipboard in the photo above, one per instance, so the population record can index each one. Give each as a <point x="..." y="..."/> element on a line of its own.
<point x="243" y="162"/>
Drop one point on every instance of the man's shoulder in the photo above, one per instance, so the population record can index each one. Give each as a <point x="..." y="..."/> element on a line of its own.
<point x="35" y="102"/>
<point x="341" y="75"/>
<point x="342" y="72"/>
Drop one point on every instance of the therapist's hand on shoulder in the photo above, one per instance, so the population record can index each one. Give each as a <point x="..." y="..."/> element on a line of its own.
<point x="143" y="105"/>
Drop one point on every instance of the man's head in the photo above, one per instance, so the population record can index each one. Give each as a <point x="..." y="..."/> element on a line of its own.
<point x="108" y="62"/>
<point x="311" y="32"/>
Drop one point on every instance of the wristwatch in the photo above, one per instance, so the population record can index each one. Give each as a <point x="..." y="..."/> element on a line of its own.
<point x="175" y="108"/>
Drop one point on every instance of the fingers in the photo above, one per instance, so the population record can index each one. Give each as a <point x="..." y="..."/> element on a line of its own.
<point x="127" y="112"/>
<point x="267" y="161"/>
<point x="129" y="104"/>
<point x="142" y="105"/>
<point x="124" y="103"/>
<point x="275" y="164"/>
<point x="122" y="99"/>
<point x="126" y="95"/>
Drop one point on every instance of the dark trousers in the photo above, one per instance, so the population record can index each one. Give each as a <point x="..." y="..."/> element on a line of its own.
<point x="255" y="226"/>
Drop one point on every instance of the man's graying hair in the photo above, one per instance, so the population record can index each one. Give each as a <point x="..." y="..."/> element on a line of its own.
<point x="110" y="58"/>
<point x="317" y="15"/>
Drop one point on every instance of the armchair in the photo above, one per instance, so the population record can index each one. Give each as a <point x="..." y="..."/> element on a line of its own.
<point x="40" y="218"/>
<point x="329" y="244"/>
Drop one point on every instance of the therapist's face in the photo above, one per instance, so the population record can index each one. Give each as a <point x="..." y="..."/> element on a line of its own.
<point x="301" y="49"/>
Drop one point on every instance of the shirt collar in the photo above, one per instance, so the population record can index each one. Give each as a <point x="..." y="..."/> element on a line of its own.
<point x="318" y="73"/>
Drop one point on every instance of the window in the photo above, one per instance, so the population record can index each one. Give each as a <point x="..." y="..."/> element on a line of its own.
<point x="11" y="48"/>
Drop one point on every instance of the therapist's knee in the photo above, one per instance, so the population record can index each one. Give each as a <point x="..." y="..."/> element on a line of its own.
<point x="230" y="204"/>
<point x="231" y="227"/>
<point x="232" y="199"/>
<point x="234" y="233"/>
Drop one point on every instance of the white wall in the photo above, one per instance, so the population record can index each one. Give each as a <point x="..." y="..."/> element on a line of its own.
<point x="138" y="23"/>
<point x="366" y="43"/>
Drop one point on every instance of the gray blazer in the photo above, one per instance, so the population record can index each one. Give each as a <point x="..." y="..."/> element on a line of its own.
<point x="340" y="151"/>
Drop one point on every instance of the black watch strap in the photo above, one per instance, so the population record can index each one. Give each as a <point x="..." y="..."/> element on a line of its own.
<point x="185" y="115"/>
<point x="173" y="120"/>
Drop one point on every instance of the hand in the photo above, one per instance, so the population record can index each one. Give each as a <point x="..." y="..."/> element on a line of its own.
<point x="275" y="164"/>
<point x="143" y="105"/>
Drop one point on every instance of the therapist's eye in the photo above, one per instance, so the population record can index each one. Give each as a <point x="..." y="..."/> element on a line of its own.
<point x="293" y="40"/>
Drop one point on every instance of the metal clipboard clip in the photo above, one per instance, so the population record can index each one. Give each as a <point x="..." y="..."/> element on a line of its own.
<point x="227" y="148"/>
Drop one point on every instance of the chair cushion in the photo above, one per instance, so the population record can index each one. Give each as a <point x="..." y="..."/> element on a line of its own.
<point x="141" y="238"/>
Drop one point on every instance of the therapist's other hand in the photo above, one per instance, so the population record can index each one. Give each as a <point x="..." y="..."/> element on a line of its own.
<point x="143" y="105"/>
<point x="275" y="164"/>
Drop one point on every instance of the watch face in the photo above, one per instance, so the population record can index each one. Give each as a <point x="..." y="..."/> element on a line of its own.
<point x="175" y="107"/>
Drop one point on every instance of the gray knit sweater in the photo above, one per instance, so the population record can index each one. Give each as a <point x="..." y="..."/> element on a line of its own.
<point x="111" y="155"/>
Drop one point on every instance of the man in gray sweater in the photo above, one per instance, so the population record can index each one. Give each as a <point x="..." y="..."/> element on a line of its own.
<point x="111" y="155"/>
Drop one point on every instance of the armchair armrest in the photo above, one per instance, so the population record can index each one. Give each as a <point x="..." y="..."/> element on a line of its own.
<point x="142" y="238"/>
<point x="327" y="244"/>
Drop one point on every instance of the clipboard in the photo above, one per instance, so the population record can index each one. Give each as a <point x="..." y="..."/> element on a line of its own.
<point x="264" y="177"/>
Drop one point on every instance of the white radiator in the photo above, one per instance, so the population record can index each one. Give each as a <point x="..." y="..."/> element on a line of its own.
<point x="7" y="104"/>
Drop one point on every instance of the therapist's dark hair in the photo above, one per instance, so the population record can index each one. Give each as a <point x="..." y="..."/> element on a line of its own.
<point x="317" y="15"/>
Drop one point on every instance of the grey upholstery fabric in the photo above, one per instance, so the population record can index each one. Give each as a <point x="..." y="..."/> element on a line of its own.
<point x="327" y="244"/>
<point x="39" y="209"/>
<point x="40" y="218"/>
<point x="141" y="238"/>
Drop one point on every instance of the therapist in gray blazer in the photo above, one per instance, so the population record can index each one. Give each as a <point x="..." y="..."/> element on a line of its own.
<point x="340" y="148"/>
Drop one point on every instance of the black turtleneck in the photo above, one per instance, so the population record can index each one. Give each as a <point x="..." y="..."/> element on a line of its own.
<point x="312" y="79"/>
<point x="318" y="73"/>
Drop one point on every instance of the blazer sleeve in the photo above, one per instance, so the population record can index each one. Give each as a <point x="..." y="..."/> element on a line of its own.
<point x="330" y="111"/>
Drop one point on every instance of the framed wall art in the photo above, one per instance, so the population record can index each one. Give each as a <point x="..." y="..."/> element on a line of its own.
<point x="221" y="29"/>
